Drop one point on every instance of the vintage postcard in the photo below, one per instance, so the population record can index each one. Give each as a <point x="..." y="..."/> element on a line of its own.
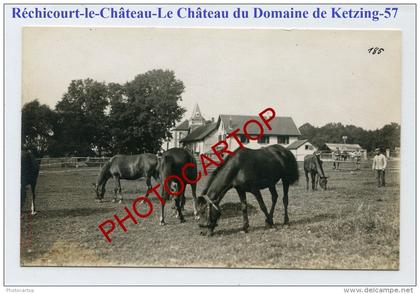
<point x="227" y="148"/>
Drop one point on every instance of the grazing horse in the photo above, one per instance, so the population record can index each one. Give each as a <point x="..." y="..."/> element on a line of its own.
<point x="312" y="164"/>
<point x="28" y="176"/>
<point x="171" y="164"/>
<point x="248" y="171"/>
<point x="126" y="167"/>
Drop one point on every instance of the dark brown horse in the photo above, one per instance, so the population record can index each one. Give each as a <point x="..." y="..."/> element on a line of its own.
<point x="126" y="167"/>
<point x="312" y="165"/>
<point x="28" y="176"/>
<point x="171" y="164"/>
<point x="249" y="171"/>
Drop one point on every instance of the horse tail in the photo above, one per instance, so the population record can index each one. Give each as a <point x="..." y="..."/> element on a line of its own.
<point x="292" y="175"/>
<point x="166" y="167"/>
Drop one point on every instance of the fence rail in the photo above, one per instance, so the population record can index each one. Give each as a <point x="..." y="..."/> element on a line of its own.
<point x="76" y="162"/>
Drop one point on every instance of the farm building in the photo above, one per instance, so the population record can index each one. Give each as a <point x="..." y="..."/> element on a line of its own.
<point x="200" y="140"/>
<point x="301" y="148"/>
<point x="183" y="129"/>
<point x="345" y="149"/>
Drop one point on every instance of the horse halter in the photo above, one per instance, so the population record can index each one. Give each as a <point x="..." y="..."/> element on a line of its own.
<point x="211" y="202"/>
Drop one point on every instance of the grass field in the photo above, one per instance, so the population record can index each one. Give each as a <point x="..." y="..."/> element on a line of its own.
<point x="352" y="225"/>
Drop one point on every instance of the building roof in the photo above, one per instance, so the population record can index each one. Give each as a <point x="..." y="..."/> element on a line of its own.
<point x="184" y="126"/>
<point x="296" y="144"/>
<point x="200" y="133"/>
<point x="343" y="147"/>
<point x="196" y="113"/>
<point x="281" y="125"/>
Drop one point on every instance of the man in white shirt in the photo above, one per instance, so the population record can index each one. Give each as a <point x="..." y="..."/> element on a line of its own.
<point x="379" y="165"/>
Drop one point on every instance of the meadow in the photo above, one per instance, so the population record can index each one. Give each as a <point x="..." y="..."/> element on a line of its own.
<point x="352" y="225"/>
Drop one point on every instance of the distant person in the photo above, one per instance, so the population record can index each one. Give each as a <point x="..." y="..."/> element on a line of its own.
<point x="357" y="158"/>
<point x="336" y="157"/>
<point x="379" y="165"/>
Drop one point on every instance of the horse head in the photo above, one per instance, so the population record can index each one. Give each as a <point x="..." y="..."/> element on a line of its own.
<point x="208" y="212"/>
<point x="99" y="194"/>
<point x="323" y="182"/>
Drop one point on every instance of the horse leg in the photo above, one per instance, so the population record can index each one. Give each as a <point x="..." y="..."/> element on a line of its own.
<point x="260" y="200"/>
<point x="286" y="201"/>
<point x="149" y="185"/>
<point x="316" y="181"/>
<point x="244" y="207"/>
<point x="115" y="188"/>
<point x="162" y="215"/>
<point x="274" y="197"/>
<point x="33" y="210"/>
<point x="22" y="196"/>
<point x="194" y="194"/>
<point x="178" y="204"/>
<point x="313" y="181"/>
<point x="307" y="180"/>
<point x="119" y="191"/>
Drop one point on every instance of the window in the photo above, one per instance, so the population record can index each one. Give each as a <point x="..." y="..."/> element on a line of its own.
<point x="244" y="139"/>
<point x="282" y="140"/>
<point x="264" y="140"/>
<point x="309" y="147"/>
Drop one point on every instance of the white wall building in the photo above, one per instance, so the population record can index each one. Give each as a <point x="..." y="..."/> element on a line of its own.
<point x="301" y="148"/>
<point x="200" y="140"/>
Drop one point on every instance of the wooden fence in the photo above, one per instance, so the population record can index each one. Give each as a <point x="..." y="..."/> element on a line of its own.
<point x="71" y="162"/>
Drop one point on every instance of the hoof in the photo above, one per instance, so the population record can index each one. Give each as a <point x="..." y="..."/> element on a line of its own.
<point x="98" y="200"/>
<point x="269" y="223"/>
<point x="182" y="220"/>
<point x="34" y="212"/>
<point x="197" y="217"/>
<point x="162" y="223"/>
<point x="120" y="201"/>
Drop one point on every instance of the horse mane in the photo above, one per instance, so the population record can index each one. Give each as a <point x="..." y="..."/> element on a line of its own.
<point x="319" y="163"/>
<point x="104" y="170"/>
<point x="217" y="171"/>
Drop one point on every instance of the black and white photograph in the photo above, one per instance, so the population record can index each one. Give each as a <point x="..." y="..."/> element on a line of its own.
<point x="210" y="148"/>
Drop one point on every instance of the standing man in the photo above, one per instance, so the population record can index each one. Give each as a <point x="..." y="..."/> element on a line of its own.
<point x="357" y="158"/>
<point x="379" y="165"/>
<point x="336" y="157"/>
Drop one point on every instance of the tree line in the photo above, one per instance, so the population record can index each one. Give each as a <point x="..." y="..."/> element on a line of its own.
<point x="98" y="118"/>
<point x="386" y="137"/>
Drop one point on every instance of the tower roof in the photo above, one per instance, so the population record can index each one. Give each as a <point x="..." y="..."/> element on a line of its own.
<point x="196" y="114"/>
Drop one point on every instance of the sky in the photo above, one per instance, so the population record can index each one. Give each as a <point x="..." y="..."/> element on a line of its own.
<point x="315" y="76"/>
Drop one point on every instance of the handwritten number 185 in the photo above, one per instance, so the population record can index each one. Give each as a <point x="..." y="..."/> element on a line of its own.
<point x="375" y="50"/>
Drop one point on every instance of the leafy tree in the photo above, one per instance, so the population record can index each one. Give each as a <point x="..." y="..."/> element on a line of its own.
<point x="39" y="124"/>
<point x="83" y="119"/>
<point x="143" y="113"/>
<point x="386" y="137"/>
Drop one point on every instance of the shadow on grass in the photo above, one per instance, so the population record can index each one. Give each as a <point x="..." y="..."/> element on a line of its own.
<point x="231" y="209"/>
<point x="73" y="212"/>
<point x="314" y="219"/>
<point x="239" y="230"/>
